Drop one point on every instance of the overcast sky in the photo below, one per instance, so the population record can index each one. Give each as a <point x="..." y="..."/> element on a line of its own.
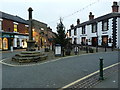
<point x="49" y="11"/>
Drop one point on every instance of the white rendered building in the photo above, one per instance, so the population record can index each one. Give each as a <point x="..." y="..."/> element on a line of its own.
<point x="103" y="30"/>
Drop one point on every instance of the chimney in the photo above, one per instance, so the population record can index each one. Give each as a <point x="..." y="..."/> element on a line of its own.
<point x="115" y="7"/>
<point x="91" y="16"/>
<point x="78" y="21"/>
<point x="71" y="26"/>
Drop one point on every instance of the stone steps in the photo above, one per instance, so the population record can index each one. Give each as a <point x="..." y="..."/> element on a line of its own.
<point x="29" y="56"/>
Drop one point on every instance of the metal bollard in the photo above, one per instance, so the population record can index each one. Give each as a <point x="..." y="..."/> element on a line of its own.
<point x="101" y="69"/>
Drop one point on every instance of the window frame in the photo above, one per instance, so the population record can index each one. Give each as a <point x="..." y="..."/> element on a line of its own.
<point x="94" y="27"/>
<point x="70" y="32"/>
<point x="75" y="31"/>
<point x="84" y="29"/>
<point x="105" y="27"/>
<point x="15" y="28"/>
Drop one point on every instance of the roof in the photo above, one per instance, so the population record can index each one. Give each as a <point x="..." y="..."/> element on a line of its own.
<point x="13" y="18"/>
<point x="98" y="19"/>
<point x="39" y="22"/>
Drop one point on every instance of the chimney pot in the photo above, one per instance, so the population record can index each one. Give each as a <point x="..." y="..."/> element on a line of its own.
<point x="71" y="26"/>
<point x="91" y="16"/>
<point x="78" y="21"/>
<point x="115" y="7"/>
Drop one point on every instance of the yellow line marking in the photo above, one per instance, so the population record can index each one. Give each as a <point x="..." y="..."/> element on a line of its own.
<point x="87" y="76"/>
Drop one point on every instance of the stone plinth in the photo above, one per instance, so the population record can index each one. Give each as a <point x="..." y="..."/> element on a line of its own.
<point x="30" y="45"/>
<point x="29" y="56"/>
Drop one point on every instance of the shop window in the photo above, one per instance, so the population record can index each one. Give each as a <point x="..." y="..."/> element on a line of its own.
<point x="5" y="43"/>
<point x="15" y="28"/>
<point x="0" y="43"/>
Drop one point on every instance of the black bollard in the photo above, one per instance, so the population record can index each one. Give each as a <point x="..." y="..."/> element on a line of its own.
<point x="101" y="69"/>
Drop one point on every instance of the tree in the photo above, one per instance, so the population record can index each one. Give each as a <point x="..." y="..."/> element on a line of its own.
<point x="61" y="36"/>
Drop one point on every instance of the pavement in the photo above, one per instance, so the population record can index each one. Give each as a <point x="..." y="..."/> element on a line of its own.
<point x="111" y="81"/>
<point x="92" y="82"/>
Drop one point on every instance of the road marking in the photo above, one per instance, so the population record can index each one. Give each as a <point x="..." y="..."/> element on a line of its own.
<point x="87" y="76"/>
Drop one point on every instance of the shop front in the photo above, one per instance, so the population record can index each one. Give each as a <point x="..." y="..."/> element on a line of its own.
<point x="6" y="40"/>
<point x="20" y="41"/>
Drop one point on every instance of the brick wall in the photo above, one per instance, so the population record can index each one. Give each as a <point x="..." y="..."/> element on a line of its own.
<point x="22" y="28"/>
<point x="7" y="25"/>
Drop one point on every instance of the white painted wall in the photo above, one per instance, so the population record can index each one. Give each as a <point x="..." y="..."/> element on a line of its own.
<point x="78" y="35"/>
<point x="110" y="31"/>
<point x="119" y="6"/>
<point x="118" y="34"/>
<point x="99" y="28"/>
<point x="89" y="33"/>
<point x="101" y="33"/>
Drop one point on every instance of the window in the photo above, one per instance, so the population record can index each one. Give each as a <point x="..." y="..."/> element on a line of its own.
<point x="94" y="27"/>
<point x="15" y="28"/>
<point x="83" y="30"/>
<point x="5" y="43"/>
<point x="70" y="32"/>
<point x="75" y="31"/>
<point x="105" y="25"/>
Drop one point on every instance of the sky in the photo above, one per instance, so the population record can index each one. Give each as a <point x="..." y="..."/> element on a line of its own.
<point x="50" y="11"/>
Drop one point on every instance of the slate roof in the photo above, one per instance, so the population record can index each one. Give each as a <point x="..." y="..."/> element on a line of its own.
<point x="13" y="18"/>
<point x="98" y="19"/>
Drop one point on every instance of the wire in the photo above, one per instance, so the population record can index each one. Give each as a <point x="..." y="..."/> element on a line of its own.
<point x="76" y="11"/>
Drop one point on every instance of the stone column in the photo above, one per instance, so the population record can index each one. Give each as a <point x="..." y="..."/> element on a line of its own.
<point x="30" y="43"/>
<point x="30" y="24"/>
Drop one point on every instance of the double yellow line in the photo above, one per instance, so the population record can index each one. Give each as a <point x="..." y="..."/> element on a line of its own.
<point x="67" y="86"/>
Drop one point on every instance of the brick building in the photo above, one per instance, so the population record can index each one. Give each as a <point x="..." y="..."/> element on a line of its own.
<point x="42" y="34"/>
<point x="14" y="31"/>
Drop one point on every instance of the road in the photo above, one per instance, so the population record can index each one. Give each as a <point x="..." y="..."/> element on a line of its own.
<point x="55" y="74"/>
<point x="9" y="54"/>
